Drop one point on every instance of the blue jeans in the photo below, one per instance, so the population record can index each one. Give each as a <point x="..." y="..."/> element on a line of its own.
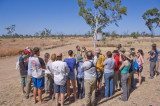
<point x="132" y="80"/>
<point x="108" y="77"/>
<point x="81" y="90"/>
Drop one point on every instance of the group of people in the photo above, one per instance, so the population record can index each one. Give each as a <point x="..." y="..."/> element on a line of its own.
<point x="55" y="74"/>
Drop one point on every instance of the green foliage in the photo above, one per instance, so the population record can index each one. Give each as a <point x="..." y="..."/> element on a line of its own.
<point x="10" y="29"/>
<point x="151" y="17"/>
<point x="134" y="35"/>
<point x="103" y="11"/>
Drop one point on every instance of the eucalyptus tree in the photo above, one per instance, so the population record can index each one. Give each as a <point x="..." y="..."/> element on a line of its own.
<point x="10" y="29"/>
<point x="152" y="17"/>
<point x="100" y="13"/>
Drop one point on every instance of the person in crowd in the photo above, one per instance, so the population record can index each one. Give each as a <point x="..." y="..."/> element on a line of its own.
<point x="157" y="59"/>
<point x="119" y="46"/>
<point x="59" y="69"/>
<point x="80" y="78"/>
<point x="152" y="56"/>
<point x="71" y="62"/>
<point x="140" y="61"/>
<point x="133" y="54"/>
<point x="125" y="76"/>
<point x="84" y="51"/>
<point x="78" y="51"/>
<point x="29" y="78"/>
<point x="23" y="71"/>
<point x="22" y="52"/>
<point x="37" y="74"/>
<point x="100" y="69"/>
<point x="89" y="67"/>
<point x="116" y="85"/>
<point x="109" y="64"/>
<point x="51" y="78"/>
<point x="48" y="76"/>
<point x="130" y="59"/>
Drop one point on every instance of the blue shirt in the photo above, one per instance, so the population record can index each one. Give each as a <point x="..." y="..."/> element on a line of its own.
<point x="29" y="67"/>
<point x="158" y="52"/>
<point x="80" y="72"/>
<point x="71" y="62"/>
<point x="155" y="58"/>
<point x="20" y="57"/>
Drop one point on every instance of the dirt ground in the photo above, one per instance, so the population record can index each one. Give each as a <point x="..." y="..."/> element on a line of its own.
<point x="147" y="94"/>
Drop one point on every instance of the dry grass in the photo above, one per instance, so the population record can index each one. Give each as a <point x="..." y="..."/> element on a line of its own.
<point x="9" y="51"/>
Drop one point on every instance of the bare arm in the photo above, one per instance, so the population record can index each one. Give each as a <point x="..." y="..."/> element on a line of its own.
<point x="121" y="67"/>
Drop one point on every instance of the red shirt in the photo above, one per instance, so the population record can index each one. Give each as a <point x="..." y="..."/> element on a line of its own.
<point x="117" y="62"/>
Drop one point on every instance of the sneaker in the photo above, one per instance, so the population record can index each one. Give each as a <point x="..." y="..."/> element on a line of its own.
<point x="26" y="97"/>
<point x="150" y="77"/>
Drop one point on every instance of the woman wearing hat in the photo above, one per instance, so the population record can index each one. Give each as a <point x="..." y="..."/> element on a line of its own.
<point x="125" y="76"/>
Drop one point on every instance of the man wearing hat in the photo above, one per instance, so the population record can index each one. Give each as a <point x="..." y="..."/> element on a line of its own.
<point x="60" y="68"/>
<point x="116" y="85"/>
<point x="100" y="68"/>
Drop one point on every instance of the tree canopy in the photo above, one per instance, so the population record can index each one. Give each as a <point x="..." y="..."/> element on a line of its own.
<point x="151" y="17"/>
<point x="100" y="13"/>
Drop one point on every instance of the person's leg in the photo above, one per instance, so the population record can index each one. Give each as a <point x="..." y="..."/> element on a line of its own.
<point x="152" y="65"/>
<point x="68" y="88"/>
<point x="111" y="84"/>
<point x="28" y="89"/>
<point x="79" y="88"/>
<point x="74" y="89"/>
<point x="132" y="80"/>
<point x="119" y="80"/>
<point x="115" y="82"/>
<point x="35" y="94"/>
<point x="62" y="91"/>
<point x="62" y="99"/>
<point x="51" y="85"/>
<point x="57" y="98"/>
<point x="93" y="91"/>
<point x="22" y="83"/>
<point x="46" y="84"/>
<point x="140" y="78"/>
<point x="157" y="67"/>
<point x="106" y="94"/>
<point x="129" y="81"/>
<point x="57" y="92"/>
<point x="40" y="95"/>
<point x="124" y="86"/>
<point x="83" y="88"/>
<point x="87" y="98"/>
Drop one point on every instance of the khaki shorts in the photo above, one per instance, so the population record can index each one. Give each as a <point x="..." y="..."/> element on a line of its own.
<point x="157" y="65"/>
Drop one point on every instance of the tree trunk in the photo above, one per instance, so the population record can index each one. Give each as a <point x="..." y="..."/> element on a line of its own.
<point x="95" y="39"/>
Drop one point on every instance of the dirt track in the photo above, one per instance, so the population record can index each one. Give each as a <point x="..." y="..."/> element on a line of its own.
<point x="10" y="92"/>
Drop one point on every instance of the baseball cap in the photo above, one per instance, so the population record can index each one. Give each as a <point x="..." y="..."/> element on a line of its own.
<point x="115" y="51"/>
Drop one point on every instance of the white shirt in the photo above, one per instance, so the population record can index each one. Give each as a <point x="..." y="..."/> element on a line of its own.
<point x="60" y="68"/>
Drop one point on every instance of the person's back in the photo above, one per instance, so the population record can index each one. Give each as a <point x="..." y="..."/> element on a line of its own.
<point x="117" y="62"/>
<point x="37" y="67"/>
<point x="80" y="72"/>
<point x="100" y="61"/>
<point x="109" y="65"/>
<point x="126" y="67"/>
<point x="23" y="68"/>
<point x="89" y="68"/>
<point x="60" y="69"/>
<point x="71" y="62"/>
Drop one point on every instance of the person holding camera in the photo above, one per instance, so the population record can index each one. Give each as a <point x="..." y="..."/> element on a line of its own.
<point x="89" y="67"/>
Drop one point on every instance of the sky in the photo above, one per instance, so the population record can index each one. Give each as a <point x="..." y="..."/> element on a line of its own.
<point x="61" y="16"/>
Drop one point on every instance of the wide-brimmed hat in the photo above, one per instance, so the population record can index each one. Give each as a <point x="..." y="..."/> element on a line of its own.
<point x="79" y="59"/>
<point x="128" y="55"/>
<point x="122" y="50"/>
